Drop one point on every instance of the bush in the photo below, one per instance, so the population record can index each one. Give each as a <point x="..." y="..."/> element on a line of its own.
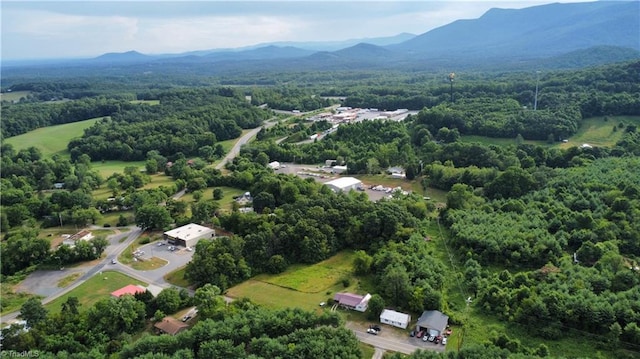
<point x="145" y="240"/>
<point x="346" y="282"/>
<point x="107" y="225"/>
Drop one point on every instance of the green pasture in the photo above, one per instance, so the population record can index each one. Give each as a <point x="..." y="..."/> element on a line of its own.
<point x="51" y="140"/>
<point x="94" y="289"/>
<point x="302" y="286"/>
<point x="315" y="278"/>
<point x="597" y="131"/>
<point x="14" y="96"/>
<point x="107" y="168"/>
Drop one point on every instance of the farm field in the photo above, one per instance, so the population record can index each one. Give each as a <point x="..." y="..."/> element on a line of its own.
<point x="51" y="140"/>
<point x="148" y="102"/>
<point x="301" y="286"/>
<point x="94" y="289"/>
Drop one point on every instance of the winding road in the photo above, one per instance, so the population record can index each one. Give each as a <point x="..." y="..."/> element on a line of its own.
<point x="49" y="279"/>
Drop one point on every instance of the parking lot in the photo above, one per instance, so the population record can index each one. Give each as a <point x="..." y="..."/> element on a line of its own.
<point x="323" y="174"/>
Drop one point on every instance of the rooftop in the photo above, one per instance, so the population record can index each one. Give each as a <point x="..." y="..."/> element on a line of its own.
<point x="187" y="231"/>
<point x="130" y="289"/>
<point x="343" y="182"/>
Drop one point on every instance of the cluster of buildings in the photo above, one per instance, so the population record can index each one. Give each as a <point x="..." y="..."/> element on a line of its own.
<point x="431" y="321"/>
<point x="348" y="114"/>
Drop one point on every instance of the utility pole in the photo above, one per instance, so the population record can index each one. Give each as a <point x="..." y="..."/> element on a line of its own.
<point x="535" y="100"/>
<point x="451" y="77"/>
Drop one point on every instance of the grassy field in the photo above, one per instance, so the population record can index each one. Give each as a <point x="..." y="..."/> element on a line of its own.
<point x="107" y="168"/>
<point x="498" y="141"/>
<point x="13" y="96"/>
<point x="112" y="217"/>
<point x="94" y="289"/>
<point x="177" y="278"/>
<point x="148" y="102"/>
<point x="10" y="299"/>
<point x="51" y="140"/>
<point x="315" y="278"/>
<point x="315" y="283"/>
<point x="68" y="279"/>
<point x="595" y="131"/>
<point x="598" y="132"/>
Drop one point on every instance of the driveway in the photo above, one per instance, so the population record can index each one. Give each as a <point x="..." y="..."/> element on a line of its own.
<point x="176" y="260"/>
<point x="391" y="339"/>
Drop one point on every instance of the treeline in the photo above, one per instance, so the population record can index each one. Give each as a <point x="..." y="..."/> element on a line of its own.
<point x="183" y="122"/>
<point x="288" y="98"/>
<point x="237" y="330"/>
<point x="24" y="117"/>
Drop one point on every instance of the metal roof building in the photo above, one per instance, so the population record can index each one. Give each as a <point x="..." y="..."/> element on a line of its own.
<point x="188" y="235"/>
<point x="344" y="184"/>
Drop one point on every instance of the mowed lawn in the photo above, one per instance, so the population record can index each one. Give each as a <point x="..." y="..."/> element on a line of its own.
<point x="94" y="289"/>
<point x="107" y="168"/>
<point x="598" y="132"/>
<point x="302" y="286"/>
<point x="14" y="96"/>
<point x="51" y="140"/>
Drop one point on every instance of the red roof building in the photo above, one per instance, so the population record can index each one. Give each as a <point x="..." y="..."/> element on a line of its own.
<point x="130" y="289"/>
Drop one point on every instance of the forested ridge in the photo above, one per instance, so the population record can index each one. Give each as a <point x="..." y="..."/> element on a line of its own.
<point x="543" y="238"/>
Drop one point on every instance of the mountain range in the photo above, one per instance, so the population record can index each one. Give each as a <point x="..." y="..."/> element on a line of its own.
<point x="550" y="34"/>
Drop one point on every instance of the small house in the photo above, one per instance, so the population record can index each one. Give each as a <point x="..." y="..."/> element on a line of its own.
<point x="396" y="319"/>
<point x="352" y="301"/>
<point x="170" y="325"/>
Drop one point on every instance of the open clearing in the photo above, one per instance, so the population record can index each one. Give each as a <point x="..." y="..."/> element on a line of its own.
<point x="314" y="278"/>
<point x="51" y="140"/>
<point x="14" y="96"/>
<point x="107" y="168"/>
<point x="598" y="132"/>
<point x="94" y="289"/>
<point x="301" y="286"/>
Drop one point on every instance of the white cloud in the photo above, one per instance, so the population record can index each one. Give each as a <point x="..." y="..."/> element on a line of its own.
<point x="84" y="28"/>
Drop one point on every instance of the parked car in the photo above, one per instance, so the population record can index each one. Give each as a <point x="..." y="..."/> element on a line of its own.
<point x="161" y="244"/>
<point x="425" y="338"/>
<point x="420" y="334"/>
<point x="444" y="341"/>
<point x="431" y="338"/>
<point x="372" y="331"/>
<point x="113" y="261"/>
<point x="412" y="333"/>
<point x="448" y="331"/>
<point x="376" y="327"/>
<point x="186" y="317"/>
<point x="438" y="339"/>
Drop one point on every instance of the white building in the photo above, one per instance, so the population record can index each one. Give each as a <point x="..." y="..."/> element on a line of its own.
<point x="188" y="235"/>
<point x="397" y="319"/>
<point x="344" y="184"/>
<point x="338" y="169"/>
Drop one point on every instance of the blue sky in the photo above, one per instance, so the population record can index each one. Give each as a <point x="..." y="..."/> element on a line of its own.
<point x="66" y="29"/>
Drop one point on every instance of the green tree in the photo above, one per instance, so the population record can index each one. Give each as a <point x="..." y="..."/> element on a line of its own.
<point x="362" y="263"/>
<point x="168" y="300"/>
<point x="209" y="302"/>
<point x="33" y="312"/>
<point x="151" y="216"/>
<point x="375" y="307"/>
<point x="218" y="194"/>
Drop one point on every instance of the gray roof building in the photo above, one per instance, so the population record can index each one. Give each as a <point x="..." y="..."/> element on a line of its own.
<point x="432" y="320"/>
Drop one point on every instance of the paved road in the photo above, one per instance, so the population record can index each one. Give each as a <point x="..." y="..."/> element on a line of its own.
<point x="235" y="150"/>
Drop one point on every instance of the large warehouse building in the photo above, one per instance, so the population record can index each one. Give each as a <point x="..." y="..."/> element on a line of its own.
<point x="344" y="184"/>
<point x="188" y="235"/>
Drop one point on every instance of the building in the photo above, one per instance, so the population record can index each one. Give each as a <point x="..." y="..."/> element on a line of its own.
<point x="433" y="321"/>
<point x="397" y="319"/>
<point x="344" y="184"/>
<point x="338" y="169"/>
<point x="170" y="325"/>
<point x="188" y="235"/>
<point x="274" y="165"/>
<point x="128" y="290"/>
<point x="352" y="301"/>
<point x="80" y="236"/>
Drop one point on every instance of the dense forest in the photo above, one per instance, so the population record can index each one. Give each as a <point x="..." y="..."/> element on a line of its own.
<point x="546" y="237"/>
